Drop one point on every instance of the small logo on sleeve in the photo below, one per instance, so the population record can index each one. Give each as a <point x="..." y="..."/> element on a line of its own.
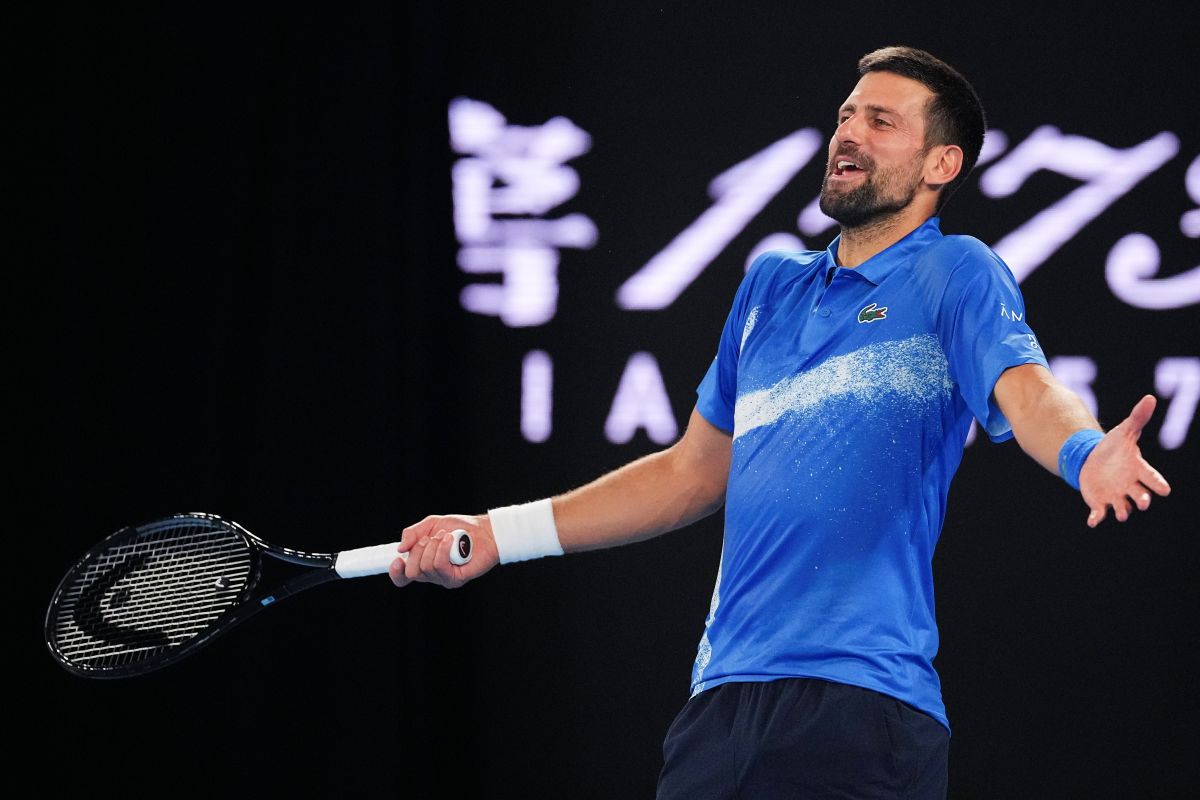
<point x="1010" y="314"/>
<point x="872" y="313"/>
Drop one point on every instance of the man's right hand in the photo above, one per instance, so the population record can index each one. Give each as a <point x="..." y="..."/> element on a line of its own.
<point x="428" y="546"/>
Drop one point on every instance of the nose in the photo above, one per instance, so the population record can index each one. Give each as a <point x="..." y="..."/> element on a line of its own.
<point x="849" y="129"/>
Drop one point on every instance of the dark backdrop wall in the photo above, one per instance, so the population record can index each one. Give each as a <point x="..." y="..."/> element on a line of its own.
<point x="256" y="302"/>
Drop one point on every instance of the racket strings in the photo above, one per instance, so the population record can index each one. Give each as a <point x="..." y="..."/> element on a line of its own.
<point x="138" y="599"/>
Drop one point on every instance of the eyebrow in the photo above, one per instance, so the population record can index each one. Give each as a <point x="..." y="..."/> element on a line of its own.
<point x="870" y="107"/>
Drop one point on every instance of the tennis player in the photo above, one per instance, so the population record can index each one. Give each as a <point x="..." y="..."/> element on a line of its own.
<point x="830" y="425"/>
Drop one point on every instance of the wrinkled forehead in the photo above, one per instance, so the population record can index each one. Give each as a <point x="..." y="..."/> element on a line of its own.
<point x="891" y="92"/>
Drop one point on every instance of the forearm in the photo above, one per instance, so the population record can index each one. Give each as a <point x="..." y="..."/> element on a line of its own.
<point x="655" y="494"/>
<point x="1043" y="413"/>
<point x="648" y="497"/>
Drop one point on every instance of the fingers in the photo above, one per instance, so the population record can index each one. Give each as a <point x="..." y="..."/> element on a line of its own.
<point x="414" y="533"/>
<point x="436" y="560"/>
<point x="1100" y="513"/>
<point x="1122" y="508"/>
<point x="419" y="542"/>
<point x="428" y="562"/>
<point x="396" y="573"/>
<point x="412" y="567"/>
<point x="1153" y="480"/>
<point x="428" y="544"/>
<point x="1141" y="415"/>
<point x="430" y="552"/>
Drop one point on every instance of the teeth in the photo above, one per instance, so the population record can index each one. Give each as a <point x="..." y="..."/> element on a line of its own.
<point x="844" y="164"/>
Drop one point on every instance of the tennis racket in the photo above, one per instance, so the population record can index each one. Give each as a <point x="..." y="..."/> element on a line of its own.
<point x="151" y="595"/>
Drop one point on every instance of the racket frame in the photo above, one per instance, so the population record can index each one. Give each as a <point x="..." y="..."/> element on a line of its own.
<point x="246" y="606"/>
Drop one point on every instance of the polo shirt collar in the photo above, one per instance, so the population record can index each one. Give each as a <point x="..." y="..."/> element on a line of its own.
<point x="880" y="265"/>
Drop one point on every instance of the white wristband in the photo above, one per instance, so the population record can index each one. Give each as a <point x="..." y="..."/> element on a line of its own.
<point x="525" y="531"/>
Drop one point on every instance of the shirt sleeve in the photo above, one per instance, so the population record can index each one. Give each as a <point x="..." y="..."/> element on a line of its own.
<point x="984" y="332"/>
<point x="717" y="392"/>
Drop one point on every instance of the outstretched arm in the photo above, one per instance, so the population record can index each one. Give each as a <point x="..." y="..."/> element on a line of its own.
<point x="648" y="497"/>
<point x="1044" y="413"/>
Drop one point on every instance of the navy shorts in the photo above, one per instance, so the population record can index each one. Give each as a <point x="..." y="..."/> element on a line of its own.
<point x="802" y="738"/>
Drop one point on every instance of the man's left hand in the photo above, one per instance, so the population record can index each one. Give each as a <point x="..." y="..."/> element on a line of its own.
<point x="1115" y="474"/>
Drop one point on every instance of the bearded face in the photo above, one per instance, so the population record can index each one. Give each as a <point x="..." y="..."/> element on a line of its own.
<point x="857" y="191"/>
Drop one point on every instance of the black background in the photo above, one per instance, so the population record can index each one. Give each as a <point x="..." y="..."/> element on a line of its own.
<point x="247" y="303"/>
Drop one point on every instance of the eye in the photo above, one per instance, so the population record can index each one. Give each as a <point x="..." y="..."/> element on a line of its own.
<point x="880" y="121"/>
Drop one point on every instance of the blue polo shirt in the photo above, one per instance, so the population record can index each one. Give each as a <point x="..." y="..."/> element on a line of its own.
<point x="849" y="394"/>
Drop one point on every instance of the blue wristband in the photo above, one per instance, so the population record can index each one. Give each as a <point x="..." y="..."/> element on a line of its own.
<point x="1074" y="452"/>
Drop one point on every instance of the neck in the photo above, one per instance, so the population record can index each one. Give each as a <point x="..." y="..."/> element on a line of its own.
<point x="865" y="241"/>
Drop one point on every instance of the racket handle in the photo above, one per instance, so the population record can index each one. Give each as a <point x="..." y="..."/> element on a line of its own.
<point x="376" y="559"/>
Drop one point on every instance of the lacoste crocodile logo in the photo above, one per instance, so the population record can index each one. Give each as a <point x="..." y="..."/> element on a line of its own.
<point x="871" y="313"/>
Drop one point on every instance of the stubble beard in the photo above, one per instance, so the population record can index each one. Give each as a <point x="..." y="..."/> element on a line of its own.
<point x="868" y="205"/>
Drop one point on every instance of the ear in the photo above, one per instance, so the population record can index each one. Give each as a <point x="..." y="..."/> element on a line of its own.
<point x="942" y="164"/>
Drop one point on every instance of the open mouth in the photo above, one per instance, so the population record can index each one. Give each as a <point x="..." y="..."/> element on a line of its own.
<point x="844" y="167"/>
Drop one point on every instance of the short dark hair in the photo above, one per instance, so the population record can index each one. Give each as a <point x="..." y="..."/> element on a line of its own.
<point x="953" y="116"/>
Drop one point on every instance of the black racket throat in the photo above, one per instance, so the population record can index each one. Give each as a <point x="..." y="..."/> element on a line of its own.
<point x="151" y="595"/>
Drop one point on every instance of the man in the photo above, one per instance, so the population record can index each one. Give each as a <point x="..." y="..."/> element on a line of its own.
<point x="830" y="425"/>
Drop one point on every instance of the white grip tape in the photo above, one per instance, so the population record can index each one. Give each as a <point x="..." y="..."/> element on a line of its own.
<point x="525" y="531"/>
<point x="376" y="559"/>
